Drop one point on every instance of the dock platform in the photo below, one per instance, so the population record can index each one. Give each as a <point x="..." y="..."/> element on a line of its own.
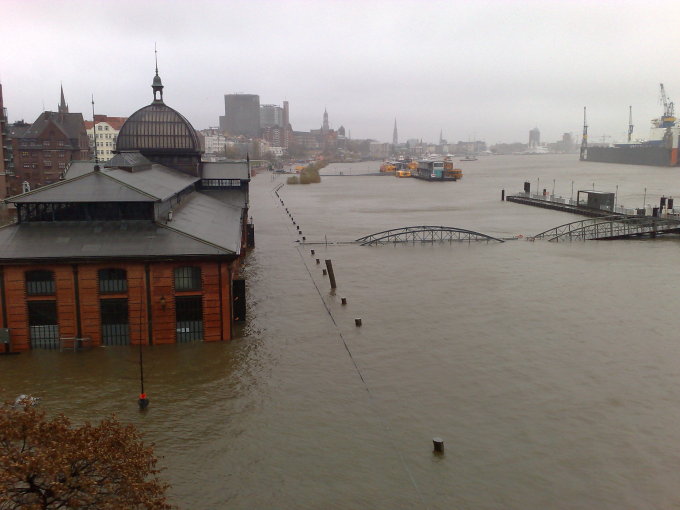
<point x="559" y="206"/>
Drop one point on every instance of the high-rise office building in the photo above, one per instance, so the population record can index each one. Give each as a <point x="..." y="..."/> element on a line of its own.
<point x="242" y="115"/>
<point x="271" y="115"/>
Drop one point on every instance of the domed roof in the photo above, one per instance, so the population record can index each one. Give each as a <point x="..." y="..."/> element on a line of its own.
<point x="159" y="129"/>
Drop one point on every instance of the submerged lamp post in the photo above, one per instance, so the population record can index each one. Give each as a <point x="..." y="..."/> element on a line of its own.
<point x="143" y="400"/>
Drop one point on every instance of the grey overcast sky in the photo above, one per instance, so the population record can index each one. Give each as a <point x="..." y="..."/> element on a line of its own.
<point x="488" y="70"/>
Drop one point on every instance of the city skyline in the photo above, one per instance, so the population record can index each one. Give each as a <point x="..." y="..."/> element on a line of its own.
<point x="533" y="64"/>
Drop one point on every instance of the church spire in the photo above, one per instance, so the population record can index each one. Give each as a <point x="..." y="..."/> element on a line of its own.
<point x="325" y="127"/>
<point x="157" y="85"/>
<point x="395" y="135"/>
<point x="63" y="107"/>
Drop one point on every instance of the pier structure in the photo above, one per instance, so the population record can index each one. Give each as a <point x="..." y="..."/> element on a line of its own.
<point x="425" y="234"/>
<point x="559" y="204"/>
<point x="610" y="228"/>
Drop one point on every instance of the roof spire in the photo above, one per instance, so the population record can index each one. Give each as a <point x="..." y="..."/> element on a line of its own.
<point x="157" y="85"/>
<point x="63" y="107"/>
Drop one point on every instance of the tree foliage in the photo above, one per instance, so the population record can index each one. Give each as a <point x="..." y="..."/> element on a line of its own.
<point x="47" y="463"/>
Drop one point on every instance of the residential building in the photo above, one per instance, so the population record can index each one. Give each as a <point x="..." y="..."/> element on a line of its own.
<point x="144" y="250"/>
<point x="42" y="152"/>
<point x="103" y="134"/>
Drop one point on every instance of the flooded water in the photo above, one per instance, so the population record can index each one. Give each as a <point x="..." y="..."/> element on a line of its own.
<point x="551" y="370"/>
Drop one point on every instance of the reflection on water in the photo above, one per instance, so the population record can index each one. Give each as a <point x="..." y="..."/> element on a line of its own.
<point x="550" y="370"/>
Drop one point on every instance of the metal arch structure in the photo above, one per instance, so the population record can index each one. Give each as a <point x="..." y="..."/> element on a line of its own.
<point x="574" y="226"/>
<point x="611" y="227"/>
<point x="425" y="234"/>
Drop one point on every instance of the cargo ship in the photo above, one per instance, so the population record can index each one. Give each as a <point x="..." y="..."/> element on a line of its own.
<point x="660" y="149"/>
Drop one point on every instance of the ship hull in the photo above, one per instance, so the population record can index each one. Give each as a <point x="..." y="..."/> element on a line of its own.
<point x="635" y="155"/>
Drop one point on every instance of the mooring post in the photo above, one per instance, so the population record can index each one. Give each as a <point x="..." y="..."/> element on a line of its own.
<point x="312" y="252"/>
<point x="438" y="445"/>
<point x="324" y="272"/>
<point x="502" y="195"/>
<point x="331" y="274"/>
<point x="343" y="301"/>
<point x="357" y="321"/>
<point x="318" y="261"/>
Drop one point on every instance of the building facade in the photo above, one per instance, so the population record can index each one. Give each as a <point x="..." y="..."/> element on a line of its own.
<point x="103" y="134"/>
<point x="5" y="148"/>
<point x="144" y="249"/>
<point x="43" y="150"/>
<point x="242" y="115"/>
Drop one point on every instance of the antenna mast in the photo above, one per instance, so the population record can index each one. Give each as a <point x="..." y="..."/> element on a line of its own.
<point x="584" y="140"/>
<point x="94" y="137"/>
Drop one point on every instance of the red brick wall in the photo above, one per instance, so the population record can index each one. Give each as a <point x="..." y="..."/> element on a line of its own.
<point x="215" y="292"/>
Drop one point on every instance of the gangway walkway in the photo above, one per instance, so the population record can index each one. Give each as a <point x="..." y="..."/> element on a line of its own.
<point x="425" y="234"/>
<point x="611" y="227"/>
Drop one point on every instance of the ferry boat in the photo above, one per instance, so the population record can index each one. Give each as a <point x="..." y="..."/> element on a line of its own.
<point x="437" y="170"/>
<point x="403" y="173"/>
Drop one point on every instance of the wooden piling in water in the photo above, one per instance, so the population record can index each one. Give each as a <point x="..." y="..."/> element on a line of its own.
<point x="438" y="445"/>
<point x="331" y="274"/>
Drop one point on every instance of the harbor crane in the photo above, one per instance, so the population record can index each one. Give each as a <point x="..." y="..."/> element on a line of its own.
<point x="630" y="123"/>
<point x="668" y="118"/>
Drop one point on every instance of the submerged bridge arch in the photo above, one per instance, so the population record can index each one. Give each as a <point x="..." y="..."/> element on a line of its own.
<point x="425" y="234"/>
<point x="611" y="227"/>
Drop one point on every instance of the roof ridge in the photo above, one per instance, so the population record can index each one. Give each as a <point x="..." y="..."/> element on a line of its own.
<point x="46" y="187"/>
<point x="130" y="186"/>
<point x="195" y="238"/>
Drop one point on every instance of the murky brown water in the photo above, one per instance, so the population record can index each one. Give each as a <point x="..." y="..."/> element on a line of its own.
<point x="552" y="371"/>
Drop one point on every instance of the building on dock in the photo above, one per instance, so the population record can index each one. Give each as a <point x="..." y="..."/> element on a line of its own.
<point x="143" y="250"/>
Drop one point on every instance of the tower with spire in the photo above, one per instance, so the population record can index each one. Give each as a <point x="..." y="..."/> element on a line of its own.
<point x="325" y="127"/>
<point x="395" y="135"/>
<point x="63" y="107"/>
<point x="157" y="85"/>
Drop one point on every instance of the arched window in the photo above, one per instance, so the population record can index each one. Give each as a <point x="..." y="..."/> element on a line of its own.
<point x="112" y="280"/>
<point x="188" y="278"/>
<point x="40" y="283"/>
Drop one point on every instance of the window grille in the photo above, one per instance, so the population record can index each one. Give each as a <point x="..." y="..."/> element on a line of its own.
<point x="112" y="280"/>
<point x="40" y="283"/>
<point x="115" y="322"/>
<point x="189" y="318"/>
<point x="188" y="278"/>
<point x="43" y="325"/>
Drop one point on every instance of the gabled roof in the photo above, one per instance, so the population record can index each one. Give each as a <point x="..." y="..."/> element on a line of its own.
<point x="92" y="187"/>
<point x="226" y="170"/>
<point x="158" y="181"/>
<point x="70" y="124"/>
<point x="115" y="122"/>
<point x="76" y="168"/>
<point x="128" y="160"/>
<point x="207" y="218"/>
<point x="99" y="239"/>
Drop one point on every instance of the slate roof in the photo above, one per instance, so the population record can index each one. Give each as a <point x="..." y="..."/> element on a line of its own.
<point x="209" y="219"/>
<point x="101" y="239"/>
<point x="70" y="124"/>
<point x="77" y="168"/>
<point x="92" y="187"/>
<point x="226" y="170"/>
<point x="234" y="197"/>
<point x="128" y="160"/>
<point x="158" y="181"/>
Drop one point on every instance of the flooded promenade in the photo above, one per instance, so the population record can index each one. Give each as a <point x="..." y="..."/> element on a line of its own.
<point x="551" y="371"/>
